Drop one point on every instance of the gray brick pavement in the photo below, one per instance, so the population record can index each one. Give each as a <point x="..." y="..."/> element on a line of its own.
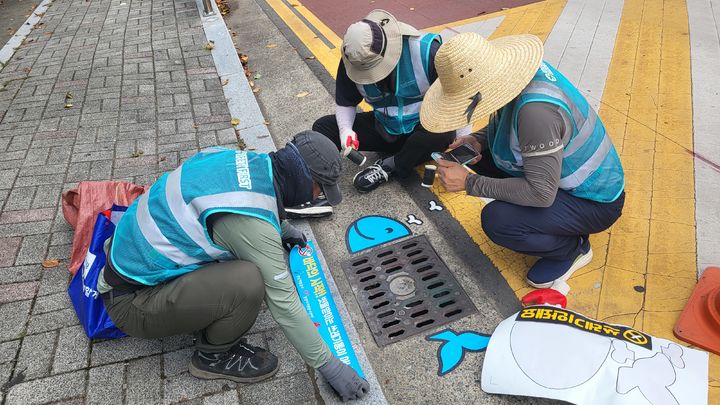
<point x="145" y="96"/>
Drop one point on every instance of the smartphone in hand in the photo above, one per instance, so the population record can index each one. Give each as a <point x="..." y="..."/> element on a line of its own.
<point x="463" y="154"/>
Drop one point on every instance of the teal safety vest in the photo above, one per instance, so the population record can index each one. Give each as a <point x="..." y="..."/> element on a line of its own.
<point x="164" y="232"/>
<point x="399" y="112"/>
<point x="591" y="167"/>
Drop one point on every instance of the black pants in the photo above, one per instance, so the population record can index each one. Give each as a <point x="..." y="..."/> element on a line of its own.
<point x="409" y="150"/>
<point x="554" y="232"/>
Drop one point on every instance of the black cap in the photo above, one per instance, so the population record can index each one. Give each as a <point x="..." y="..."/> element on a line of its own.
<point x="324" y="161"/>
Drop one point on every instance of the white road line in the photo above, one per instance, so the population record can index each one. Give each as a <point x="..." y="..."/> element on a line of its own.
<point x="704" y="22"/>
<point x="585" y="31"/>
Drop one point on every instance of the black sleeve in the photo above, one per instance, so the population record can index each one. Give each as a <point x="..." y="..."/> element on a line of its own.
<point x="432" y="74"/>
<point x="346" y="92"/>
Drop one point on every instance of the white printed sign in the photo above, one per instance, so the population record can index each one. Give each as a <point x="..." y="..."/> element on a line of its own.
<point x="549" y="352"/>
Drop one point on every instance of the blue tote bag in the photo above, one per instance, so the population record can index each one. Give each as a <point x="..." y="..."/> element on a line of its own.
<point x="83" y="291"/>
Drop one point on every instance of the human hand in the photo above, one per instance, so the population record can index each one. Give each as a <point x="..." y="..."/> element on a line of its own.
<point x="452" y="175"/>
<point x="344" y="380"/>
<point x="470" y="140"/>
<point x="351" y="141"/>
<point x="292" y="237"/>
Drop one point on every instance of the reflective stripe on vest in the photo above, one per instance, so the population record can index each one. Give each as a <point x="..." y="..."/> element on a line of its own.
<point x="591" y="167"/>
<point x="399" y="112"/>
<point x="164" y="232"/>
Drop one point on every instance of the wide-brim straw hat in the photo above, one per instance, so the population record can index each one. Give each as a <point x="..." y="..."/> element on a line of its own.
<point x="476" y="77"/>
<point x="372" y="47"/>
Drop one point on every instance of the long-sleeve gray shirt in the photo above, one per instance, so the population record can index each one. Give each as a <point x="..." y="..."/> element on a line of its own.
<point x="539" y="125"/>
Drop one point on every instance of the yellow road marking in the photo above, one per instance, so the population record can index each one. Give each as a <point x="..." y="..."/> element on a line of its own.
<point x="328" y="57"/>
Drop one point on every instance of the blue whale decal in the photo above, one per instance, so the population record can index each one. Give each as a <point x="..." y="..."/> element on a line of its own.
<point x="373" y="230"/>
<point x="452" y="351"/>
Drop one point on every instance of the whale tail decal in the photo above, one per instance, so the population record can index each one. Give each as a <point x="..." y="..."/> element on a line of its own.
<point x="454" y="346"/>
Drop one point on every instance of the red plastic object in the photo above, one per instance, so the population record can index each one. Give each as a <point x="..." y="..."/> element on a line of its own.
<point x="699" y="322"/>
<point x="352" y="141"/>
<point x="544" y="296"/>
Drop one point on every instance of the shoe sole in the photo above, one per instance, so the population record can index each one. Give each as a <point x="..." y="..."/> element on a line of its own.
<point x="309" y="213"/>
<point x="293" y="215"/>
<point x="208" y="375"/>
<point x="584" y="261"/>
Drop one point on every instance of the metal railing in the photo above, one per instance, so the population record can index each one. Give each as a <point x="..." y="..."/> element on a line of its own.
<point x="207" y="7"/>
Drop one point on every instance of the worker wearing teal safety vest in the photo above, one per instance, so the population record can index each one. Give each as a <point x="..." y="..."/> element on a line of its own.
<point x="201" y="249"/>
<point x="545" y="156"/>
<point x="390" y="65"/>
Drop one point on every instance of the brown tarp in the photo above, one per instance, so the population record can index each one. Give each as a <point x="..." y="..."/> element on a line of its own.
<point x="82" y="204"/>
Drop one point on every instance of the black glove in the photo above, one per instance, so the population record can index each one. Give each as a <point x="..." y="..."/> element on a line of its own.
<point x="344" y="380"/>
<point x="292" y="236"/>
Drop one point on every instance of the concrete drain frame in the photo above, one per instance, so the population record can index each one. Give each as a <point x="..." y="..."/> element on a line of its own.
<point x="404" y="289"/>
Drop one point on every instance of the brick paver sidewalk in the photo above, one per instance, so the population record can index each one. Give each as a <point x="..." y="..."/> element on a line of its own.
<point x="145" y="95"/>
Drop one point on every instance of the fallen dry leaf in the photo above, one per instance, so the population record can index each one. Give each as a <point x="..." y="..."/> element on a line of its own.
<point x="225" y="82"/>
<point x="137" y="153"/>
<point x="68" y="97"/>
<point x="302" y="94"/>
<point x="310" y="57"/>
<point x="234" y="122"/>
<point x="194" y="125"/>
<point x="256" y="90"/>
<point x="50" y="263"/>
<point x="267" y="122"/>
<point x="294" y="5"/>
<point x="271" y="46"/>
<point x="243" y="59"/>
<point x="251" y="83"/>
<point x="222" y="6"/>
<point x="257" y="76"/>
<point x="210" y="45"/>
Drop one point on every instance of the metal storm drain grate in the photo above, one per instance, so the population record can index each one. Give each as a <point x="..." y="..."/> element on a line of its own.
<point x="405" y="288"/>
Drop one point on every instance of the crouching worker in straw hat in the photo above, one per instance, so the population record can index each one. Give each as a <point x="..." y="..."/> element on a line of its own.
<point x="546" y="157"/>
<point x="203" y="247"/>
<point x="391" y="65"/>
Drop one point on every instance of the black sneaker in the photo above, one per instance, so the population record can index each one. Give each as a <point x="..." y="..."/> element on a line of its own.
<point x="243" y="363"/>
<point x="312" y="209"/>
<point x="371" y="177"/>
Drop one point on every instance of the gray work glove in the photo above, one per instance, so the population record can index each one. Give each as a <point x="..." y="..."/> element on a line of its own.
<point x="292" y="236"/>
<point x="344" y="380"/>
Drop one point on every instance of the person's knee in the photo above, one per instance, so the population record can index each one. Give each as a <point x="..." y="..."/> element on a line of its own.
<point x="252" y="284"/>
<point x="324" y="125"/>
<point x="497" y="222"/>
<point x="244" y="283"/>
